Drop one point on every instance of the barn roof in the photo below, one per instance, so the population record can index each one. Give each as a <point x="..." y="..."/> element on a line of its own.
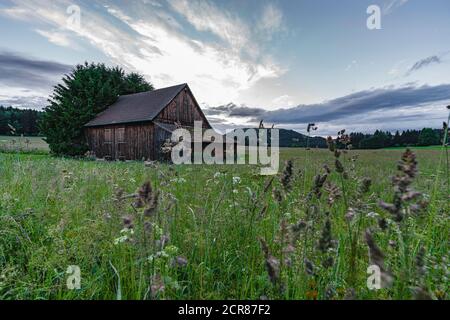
<point x="138" y="107"/>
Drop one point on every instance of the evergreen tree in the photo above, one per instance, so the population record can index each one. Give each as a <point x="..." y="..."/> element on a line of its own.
<point x="87" y="91"/>
<point x="428" y="137"/>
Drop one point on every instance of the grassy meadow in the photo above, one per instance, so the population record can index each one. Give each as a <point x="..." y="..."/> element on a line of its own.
<point x="23" y="144"/>
<point x="225" y="232"/>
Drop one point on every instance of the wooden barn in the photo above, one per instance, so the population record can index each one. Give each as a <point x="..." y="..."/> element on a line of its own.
<point x="137" y="125"/>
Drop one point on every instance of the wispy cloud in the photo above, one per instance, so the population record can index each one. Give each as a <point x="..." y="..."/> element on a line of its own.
<point x="423" y="63"/>
<point x="205" y="16"/>
<point x="150" y="38"/>
<point x="56" y="37"/>
<point x="271" y="20"/>
<point x="391" y="5"/>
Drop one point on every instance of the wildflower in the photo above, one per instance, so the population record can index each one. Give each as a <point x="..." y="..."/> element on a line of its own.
<point x="420" y="262"/>
<point x="402" y="192"/>
<point x="392" y="244"/>
<point x="236" y="180"/>
<point x="156" y="285"/>
<point x="179" y="180"/>
<point x="272" y="263"/>
<point x="382" y="223"/>
<point x="152" y="205"/>
<point x="126" y="230"/>
<point x="319" y="181"/>
<point x="309" y="267"/>
<point x="350" y="294"/>
<point x="325" y="241"/>
<point x="350" y="215"/>
<point x="331" y="144"/>
<point x="372" y="215"/>
<point x="328" y="262"/>
<point x="145" y="192"/>
<point x="364" y="186"/>
<point x="339" y="166"/>
<point x="286" y="178"/>
<point x="163" y="241"/>
<point x="334" y="192"/>
<point x="120" y="239"/>
<point x="180" y="262"/>
<point x="299" y="226"/>
<point x="127" y="222"/>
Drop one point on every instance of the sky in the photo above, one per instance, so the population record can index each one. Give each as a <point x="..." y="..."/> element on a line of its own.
<point x="287" y="62"/>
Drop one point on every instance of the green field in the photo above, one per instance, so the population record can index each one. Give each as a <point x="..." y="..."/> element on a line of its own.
<point x="223" y="232"/>
<point x="23" y="144"/>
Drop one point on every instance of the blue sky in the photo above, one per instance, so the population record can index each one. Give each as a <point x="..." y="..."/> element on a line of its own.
<point x="288" y="62"/>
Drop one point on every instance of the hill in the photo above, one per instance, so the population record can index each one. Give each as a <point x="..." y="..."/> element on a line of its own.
<point x="294" y="139"/>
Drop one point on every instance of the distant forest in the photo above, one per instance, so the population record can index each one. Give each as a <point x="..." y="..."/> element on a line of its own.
<point x="408" y="138"/>
<point x="14" y="121"/>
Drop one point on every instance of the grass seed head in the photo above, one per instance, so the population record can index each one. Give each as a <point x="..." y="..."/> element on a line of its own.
<point x="272" y="263"/>
<point x="376" y="257"/>
<point x="325" y="241"/>
<point x="286" y="178"/>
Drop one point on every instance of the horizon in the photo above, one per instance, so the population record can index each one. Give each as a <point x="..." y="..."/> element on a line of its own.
<point x="287" y="63"/>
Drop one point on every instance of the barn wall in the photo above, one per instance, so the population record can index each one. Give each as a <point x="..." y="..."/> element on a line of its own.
<point x="183" y="109"/>
<point x="127" y="142"/>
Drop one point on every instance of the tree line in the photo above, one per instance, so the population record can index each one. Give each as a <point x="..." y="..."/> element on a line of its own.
<point x="15" y="121"/>
<point x="385" y="139"/>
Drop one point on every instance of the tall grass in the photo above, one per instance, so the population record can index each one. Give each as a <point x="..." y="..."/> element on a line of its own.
<point x="221" y="232"/>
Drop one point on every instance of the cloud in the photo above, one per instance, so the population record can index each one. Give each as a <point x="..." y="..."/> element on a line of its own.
<point x="56" y="37"/>
<point x="30" y="101"/>
<point x="284" y="100"/>
<point x="26" y="81"/>
<point x="205" y="16"/>
<point x="233" y="110"/>
<point x="271" y="20"/>
<point x="423" y="63"/>
<point x="391" y="5"/>
<point x="20" y="71"/>
<point x="383" y="106"/>
<point x="151" y="39"/>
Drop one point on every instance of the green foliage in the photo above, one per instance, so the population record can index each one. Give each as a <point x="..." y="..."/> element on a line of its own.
<point x="407" y="138"/>
<point x="14" y="121"/>
<point x="428" y="137"/>
<point x="84" y="93"/>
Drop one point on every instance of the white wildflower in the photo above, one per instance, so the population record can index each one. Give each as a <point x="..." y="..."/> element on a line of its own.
<point x="218" y="175"/>
<point x="372" y="215"/>
<point x="178" y="180"/>
<point x="120" y="240"/>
